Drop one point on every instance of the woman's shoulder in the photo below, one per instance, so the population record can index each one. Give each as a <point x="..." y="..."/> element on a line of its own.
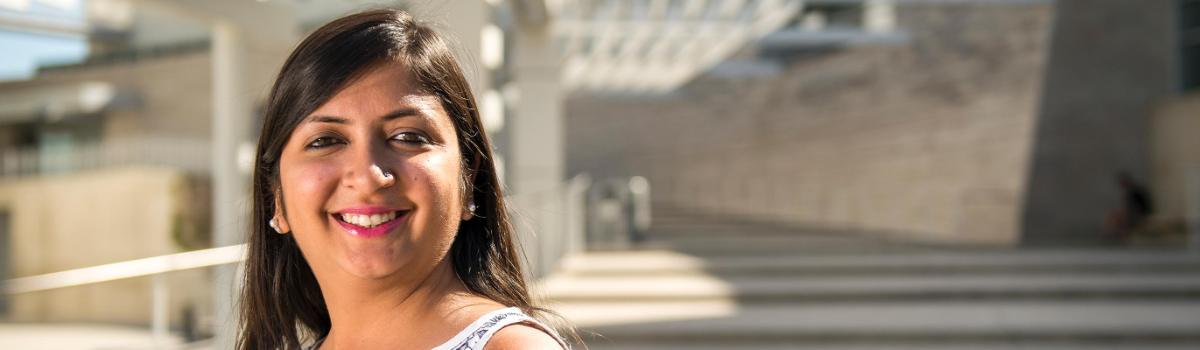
<point x="505" y="328"/>
<point x="522" y="336"/>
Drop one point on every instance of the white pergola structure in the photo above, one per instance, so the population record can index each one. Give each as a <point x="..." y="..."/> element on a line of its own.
<point x="654" y="46"/>
<point x="650" y="47"/>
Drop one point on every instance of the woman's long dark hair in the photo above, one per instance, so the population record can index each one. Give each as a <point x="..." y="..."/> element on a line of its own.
<point x="281" y="304"/>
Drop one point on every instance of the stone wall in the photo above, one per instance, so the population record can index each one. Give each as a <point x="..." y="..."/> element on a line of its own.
<point x="62" y="222"/>
<point x="1110" y="62"/>
<point x="925" y="140"/>
<point x="1175" y="162"/>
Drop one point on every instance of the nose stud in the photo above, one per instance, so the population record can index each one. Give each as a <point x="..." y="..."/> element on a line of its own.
<point x="385" y="179"/>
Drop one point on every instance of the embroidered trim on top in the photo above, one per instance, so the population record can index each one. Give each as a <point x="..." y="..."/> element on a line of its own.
<point x="483" y="329"/>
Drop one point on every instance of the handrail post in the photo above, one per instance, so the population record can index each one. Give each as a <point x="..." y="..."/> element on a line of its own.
<point x="159" y="320"/>
<point x="1191" y="206"/>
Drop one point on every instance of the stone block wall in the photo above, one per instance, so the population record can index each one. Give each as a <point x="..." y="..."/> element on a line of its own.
<point x="1175" y="161"/>
<point x="924" y="140"/>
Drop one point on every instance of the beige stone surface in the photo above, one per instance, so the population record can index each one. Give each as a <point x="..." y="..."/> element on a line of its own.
<point x="928" y="140"/>
<point x="1175" y="168"/>
<point x="62" y="222"/>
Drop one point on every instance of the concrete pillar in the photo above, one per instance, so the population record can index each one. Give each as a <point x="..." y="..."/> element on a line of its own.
<point x="879" y="16"/>
<point x="464" y="22"/>
<point x="468" y="25"/>
<point x="232" y="113"/>
<point x="535" y="166"/>
<point x="536" y="126"/>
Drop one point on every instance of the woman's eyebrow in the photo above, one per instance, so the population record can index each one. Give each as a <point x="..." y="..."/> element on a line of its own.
<point x="398" y="113"/>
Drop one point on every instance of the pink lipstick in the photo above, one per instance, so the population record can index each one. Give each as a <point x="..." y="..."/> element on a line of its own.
<point x="370" y="221"/>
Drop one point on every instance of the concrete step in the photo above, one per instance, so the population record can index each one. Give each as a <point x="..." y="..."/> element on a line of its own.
<point x="733" y="245"/>
<point x="701" y="224"/>
<point x="966" y="299"/>
<point x="717" y="235"/>
<point x="700" y="229"/>
<point x="697" y="229"/>
<point x="1159" y="286"/>
<point x="1043" y="345"/>
<point x="994" y="324"/>
<point x="702" y="282"/>
<point x="668" y="263"/>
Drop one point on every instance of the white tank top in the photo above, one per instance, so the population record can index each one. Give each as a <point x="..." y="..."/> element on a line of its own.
<point x="477" y="334"/>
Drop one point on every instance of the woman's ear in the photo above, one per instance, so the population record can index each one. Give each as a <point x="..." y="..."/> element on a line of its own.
<point x="281" y="225"/>
<point x="469" y="197"/>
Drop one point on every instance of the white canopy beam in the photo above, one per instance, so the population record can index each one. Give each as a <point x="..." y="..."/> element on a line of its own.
<point x="657" y="45"/>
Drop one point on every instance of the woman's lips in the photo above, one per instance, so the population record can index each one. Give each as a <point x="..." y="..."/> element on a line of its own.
<point x="375" y="231"/>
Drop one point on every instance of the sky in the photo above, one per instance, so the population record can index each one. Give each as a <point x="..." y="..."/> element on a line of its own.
<point x="21" y="51"/>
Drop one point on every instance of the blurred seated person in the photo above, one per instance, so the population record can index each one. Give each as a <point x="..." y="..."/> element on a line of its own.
<point x="1136" y="207"/>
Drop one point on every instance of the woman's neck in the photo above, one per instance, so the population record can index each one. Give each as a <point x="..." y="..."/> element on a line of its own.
<point x="381" y="314"/>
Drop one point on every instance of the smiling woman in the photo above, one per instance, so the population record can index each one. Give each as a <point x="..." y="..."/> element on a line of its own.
<point x="378" y="220"/>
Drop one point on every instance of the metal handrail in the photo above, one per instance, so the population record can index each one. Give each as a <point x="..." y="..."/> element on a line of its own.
<point x="156" y="267"/>
<point x="127" y="269"/>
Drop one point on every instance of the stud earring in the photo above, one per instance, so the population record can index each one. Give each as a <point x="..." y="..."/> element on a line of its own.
<point x="471" y="207"/>
<point x="274" y="226"/>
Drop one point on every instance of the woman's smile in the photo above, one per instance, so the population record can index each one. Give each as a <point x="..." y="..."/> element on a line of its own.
<point x="370" y="221"/>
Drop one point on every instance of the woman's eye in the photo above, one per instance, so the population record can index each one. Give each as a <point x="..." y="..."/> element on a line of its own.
<point x="411" y="138"/>
<point x="322" y="142"/>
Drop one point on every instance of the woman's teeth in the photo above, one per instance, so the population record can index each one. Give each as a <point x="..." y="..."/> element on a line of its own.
<point x="368" y="221"/>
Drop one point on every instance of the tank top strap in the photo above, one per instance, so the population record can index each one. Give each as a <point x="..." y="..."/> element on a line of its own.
<point x="476" y="335"/>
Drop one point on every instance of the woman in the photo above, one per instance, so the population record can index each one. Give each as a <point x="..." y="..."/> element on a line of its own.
<point x="378" y="221"/>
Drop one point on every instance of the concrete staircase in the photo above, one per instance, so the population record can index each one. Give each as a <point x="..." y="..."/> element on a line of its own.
<point x="696" y="284"/>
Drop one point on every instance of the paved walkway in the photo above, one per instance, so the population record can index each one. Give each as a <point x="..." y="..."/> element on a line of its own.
<point x="58" y="336"/>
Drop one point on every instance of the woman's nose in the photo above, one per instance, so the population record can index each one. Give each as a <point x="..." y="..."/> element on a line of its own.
<point x="370" y="171"/>
<point x="384" y="177"/>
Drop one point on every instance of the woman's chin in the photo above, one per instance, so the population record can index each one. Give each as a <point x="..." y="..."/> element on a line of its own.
<point x="374" y="263"/>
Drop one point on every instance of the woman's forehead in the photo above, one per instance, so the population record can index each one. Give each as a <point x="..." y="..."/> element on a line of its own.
<point x="380" y="92"/>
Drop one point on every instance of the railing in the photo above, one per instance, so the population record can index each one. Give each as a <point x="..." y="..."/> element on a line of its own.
<point x="191" y="155"/>
<point x="551" y="223"/>
<point x="1192" y="206"/>
<point x="579" y="215"/>
<point x="618" y="213"/>
<point x="156" y="267"/>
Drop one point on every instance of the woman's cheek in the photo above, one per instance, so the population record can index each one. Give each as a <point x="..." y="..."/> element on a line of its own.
<point x="436" y="178"/>
<point x="312" y="183"/>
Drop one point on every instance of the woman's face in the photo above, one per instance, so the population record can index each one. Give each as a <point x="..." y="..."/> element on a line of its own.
<point x="331" y="191"/>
